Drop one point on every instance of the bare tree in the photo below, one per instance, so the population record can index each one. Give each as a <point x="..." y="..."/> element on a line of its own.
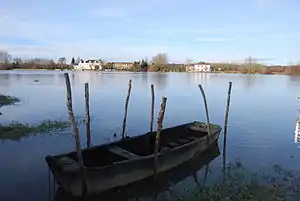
<point x="188" y="61"/>
<point x="62" y="60"/>
<point x="78" y="59"/>
<point x="5" y="57"/>
<point x="160" y="58"/>
<point x="17" y="60"/>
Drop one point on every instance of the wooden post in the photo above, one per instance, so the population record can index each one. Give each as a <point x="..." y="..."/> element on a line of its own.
<point x="76" y="132"/>
<point x="87" y="115"/>
<point x="126" y="108"/>
<point x="152" y="108"/>
<point x="206" y="109"/>
<point x="159" y="130"/>
<point x="225" y="129"/>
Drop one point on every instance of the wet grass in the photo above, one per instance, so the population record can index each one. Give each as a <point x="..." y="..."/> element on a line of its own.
<point x="239" y="185"/>
<point x="16" y="130"/>
<point x="7" y="100"/>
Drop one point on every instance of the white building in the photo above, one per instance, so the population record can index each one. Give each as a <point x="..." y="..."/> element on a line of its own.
<point x="89" y="65"/>
<point x="202" y="68"/>
<point x="198" y="67"/>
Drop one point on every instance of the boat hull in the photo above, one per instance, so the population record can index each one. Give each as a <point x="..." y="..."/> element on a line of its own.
<point x="128" y="171"/>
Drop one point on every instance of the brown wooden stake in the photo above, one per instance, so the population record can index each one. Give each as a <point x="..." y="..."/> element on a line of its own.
<point x="76" y="132"/>
<point x="126" y="108"/>
<point x="87" y="115"/>
<point x="152" y="108"/>
<point x="225" y="128"/>
<point x="206" y="109"/>
<point x="159" y="130"/>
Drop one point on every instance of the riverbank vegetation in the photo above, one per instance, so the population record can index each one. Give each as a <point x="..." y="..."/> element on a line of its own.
<point x="159" y="63"/>
<point x="7" y="100"/>
<point x="237" y="183"/>
<point x="16" y="130"/>
<point x="293" y="70"/>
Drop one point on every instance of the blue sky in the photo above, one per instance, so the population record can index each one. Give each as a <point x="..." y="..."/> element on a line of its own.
<point x="201" y="30"/>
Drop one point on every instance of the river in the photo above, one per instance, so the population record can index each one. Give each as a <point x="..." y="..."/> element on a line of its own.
<point x="261" y="127"/>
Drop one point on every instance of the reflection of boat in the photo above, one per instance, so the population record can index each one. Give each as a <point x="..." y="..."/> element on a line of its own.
<point x="132" y="159"/>
<point x="297" y="130"/>
<point x="149" y="187"/>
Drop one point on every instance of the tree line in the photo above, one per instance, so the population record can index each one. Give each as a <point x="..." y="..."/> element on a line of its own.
<point x="158" y="63"/>
<point x="8" y="62"/>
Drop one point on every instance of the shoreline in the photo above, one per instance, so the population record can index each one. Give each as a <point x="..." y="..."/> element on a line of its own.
<point x="216" y="72"/>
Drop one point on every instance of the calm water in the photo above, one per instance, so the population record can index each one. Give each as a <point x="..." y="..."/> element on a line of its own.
<point x="260" y="131"/>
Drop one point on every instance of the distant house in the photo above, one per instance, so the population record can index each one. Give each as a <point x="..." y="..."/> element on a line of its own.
<point x="91" y="64"/>
<point x="198" y="67"/>
<point x="122" y="65"/>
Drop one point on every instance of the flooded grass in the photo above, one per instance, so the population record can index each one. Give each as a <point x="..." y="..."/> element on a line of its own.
<point x="16" y="130"/>
<point x="7" y="100"/>
<point x="238" y="184"/>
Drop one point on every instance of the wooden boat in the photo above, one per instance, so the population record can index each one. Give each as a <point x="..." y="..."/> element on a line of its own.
<point x="149" y="187"/>
<point x="129" y="160"/>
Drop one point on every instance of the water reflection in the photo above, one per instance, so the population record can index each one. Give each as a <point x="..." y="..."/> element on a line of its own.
<point x="201" y="78"/>
<point x="4" y="80"/>
<point x="252" y="80"/>
<point x="149" y="189"/>
<point x="293" y="81"/>
<point x="160" y="80"/>
<point x="144" y="77"/>
<point x="297" y="130"/>
<point x="254" y="129"/>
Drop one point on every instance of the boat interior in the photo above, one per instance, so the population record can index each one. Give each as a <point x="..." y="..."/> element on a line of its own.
<point x="149" y="187"/>
<point x="133" y="147"/>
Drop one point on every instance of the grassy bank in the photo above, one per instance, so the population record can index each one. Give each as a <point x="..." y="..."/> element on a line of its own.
<point x="16" y="130"/>
<point x="293" y="70"/>
<point x="239" y="184"/>
<point x="7" y="100"/>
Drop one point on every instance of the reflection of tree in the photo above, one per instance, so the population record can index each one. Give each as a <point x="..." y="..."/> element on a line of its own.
<point x="293" y="81"/>
<point x="144" y="77"/>
<point x="250" y="80"/>
<point x="160" y="80"/>
<point x="4" y="80"/>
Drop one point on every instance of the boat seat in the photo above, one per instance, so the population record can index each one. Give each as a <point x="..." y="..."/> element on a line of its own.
<point x="172" y="144"/>
<point x="165" y="148"/>
<point x="122" y="152"/>
<point x="191" y="138"/>
<point x="183" y="141"/>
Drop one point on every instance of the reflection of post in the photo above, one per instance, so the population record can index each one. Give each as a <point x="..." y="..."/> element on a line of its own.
<point x="159" y="130"/>
<point x="76" y="132"/>
<point x="87" y="115"/>
<point x="206" y="172"/>
<point x="225" y="129"/>
<point x="126" y="108"/>
<point x="297" y="129"/>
